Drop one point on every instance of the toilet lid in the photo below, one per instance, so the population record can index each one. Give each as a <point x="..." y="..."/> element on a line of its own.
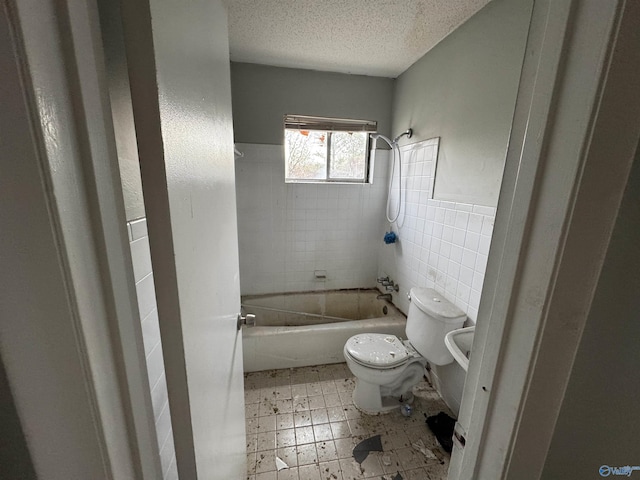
<point x="377" y="349"/>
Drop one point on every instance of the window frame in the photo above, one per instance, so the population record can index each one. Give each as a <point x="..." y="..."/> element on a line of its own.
<point x="329" y="126"/>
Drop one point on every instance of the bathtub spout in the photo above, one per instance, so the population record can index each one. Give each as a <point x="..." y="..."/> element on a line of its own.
<point x="384" y="296"/>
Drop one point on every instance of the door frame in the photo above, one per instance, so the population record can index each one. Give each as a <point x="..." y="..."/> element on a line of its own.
<point x="71" y="342"/>
<point x="577" y="108"/>
<point x="538" y="347"/>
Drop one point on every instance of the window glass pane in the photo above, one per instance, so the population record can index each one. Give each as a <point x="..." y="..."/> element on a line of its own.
<point x="348" y="155"/>
<point x="305" y="154"/>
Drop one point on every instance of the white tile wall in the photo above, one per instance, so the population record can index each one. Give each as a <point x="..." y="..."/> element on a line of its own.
<point x="287" y="231"/>
<point x="442" y="245"/>
<point x="141" y="259"/>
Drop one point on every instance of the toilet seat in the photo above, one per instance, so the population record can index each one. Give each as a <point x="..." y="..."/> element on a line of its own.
<point x="377" y="350"/>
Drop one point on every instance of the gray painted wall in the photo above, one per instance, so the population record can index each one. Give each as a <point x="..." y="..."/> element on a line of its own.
<point x="120" y="97"/>
<point x="464" y="91"/>
<point x="262" y="95"/>
<point x="599" y="421"/>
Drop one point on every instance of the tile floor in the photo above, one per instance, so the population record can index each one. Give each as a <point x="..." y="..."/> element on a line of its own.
<point x="306" y="417"/>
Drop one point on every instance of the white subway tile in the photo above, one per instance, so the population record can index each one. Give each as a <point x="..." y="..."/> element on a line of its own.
<point x="146" y="295"/>
<point x="167" y="455"/>
<point x="141" y="258"/>
<point x="462" y="293"/>
<point x="469" y="258"/>
<point x="150" y="331"/>
<point x="484" y="210"/>
<point x="453" y="270"/>
<point x="434" y="258"/>
<point x="436" y="245"/>
<point x="487" y="225"/>
<point x="465" y="207"/>
<point x="163" y="426"/>
<point x="462" y="218"/>
<point x="450" y="287"/>
<point x="159" y="397"/>
<point x="138" y="228"/>
<point x="456" y="252"/>
<point x="472" y="240"/>
<point x="445" y="249"/>
<point x="443" y="264"/>
<point x="155" y="366"/>
<point x="474" y="299"/>
<point x="475" y="223"/>
<point x="478" y="281"/>
<point x="447" y="233"/>
<point x="481" y="263"/>
<point x="437" y="230"/>
<point x="459" y="237"/>
<point x="466" y="276"/>
<point x="484" y="244"/>
<point x="450" y="217"/>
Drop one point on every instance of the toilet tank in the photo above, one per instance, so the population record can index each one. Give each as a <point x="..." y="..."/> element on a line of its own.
<point x="430" y="318"/>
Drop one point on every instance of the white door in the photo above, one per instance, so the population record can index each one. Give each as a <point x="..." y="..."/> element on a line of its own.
<point x="178" y="58"/>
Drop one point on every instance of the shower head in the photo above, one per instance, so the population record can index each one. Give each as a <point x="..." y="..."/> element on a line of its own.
<point x="376" y="136"/>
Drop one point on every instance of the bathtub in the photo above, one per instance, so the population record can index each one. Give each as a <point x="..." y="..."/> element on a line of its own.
<point x="311" y="328"/>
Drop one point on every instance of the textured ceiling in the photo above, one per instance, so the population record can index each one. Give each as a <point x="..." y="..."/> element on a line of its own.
<point x="369" y="37"/>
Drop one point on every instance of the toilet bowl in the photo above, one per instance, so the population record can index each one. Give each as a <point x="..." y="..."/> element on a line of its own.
<point x="386" y="368"/>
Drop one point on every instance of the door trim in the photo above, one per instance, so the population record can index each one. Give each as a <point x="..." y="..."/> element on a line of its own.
<point x="577" y="108"/>
<point x="76" y="370"/>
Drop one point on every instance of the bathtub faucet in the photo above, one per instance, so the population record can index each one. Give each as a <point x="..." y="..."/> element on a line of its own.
<point x="388" y="284"/>
<point x="384" y="296"/>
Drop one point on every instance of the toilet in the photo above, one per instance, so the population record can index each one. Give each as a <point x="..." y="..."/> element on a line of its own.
<point x="386" y="368"/>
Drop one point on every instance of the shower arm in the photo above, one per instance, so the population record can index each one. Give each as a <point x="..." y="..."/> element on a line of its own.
<point x="394" y="142"/>
<point x="408" y="133"/>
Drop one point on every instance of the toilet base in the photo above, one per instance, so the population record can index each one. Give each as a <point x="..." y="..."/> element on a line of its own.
<point x="367" y="399"/>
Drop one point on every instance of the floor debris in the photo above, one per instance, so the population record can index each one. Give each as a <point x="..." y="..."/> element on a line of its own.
<point x="439" y="452"/>
<point x="422" y="448"/>
<point x="292" y="393"/>
<point x="281" y="464"/>
<point x="442" y="426"/>
<point x="371" y="444"/>
<point x="397" y="477"/>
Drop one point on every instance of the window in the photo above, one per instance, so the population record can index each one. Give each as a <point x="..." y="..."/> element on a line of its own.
<point x="326" y="149"/>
